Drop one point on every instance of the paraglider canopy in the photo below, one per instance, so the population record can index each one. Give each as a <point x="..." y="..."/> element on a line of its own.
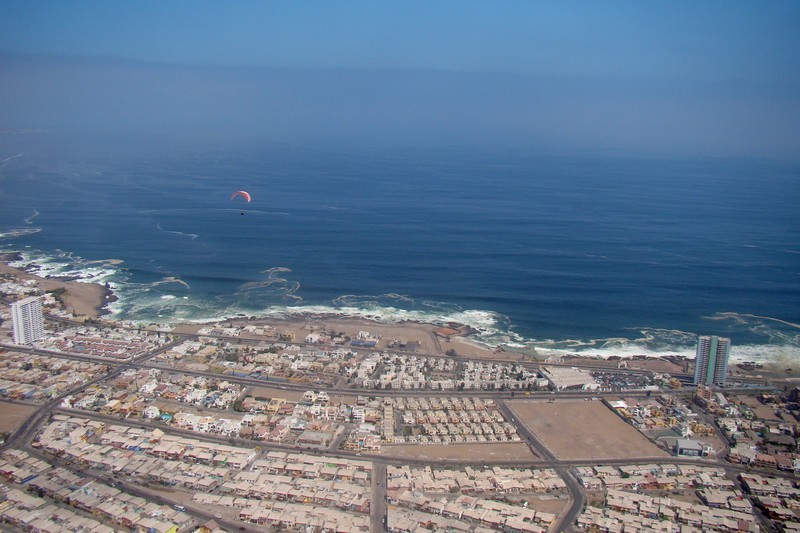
<point x="243" y="194"/>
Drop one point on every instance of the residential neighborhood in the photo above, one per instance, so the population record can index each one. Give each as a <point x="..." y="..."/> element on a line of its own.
<point x="297" y="426"/>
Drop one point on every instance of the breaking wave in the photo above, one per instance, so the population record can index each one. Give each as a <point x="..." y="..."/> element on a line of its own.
<point x="169" y="299"/>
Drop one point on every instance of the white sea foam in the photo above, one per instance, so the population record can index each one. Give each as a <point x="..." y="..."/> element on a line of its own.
<point x="661" y="343"/>
<point x="7" y="160"/>
<point x="12" y="233"/>
<point x="746" y="318"/>
<point x="192" y="236"/>
<point x="109" y="262"/>
<point x="276" y="285"/>
<point x="167" y="280"/>
<point x="64" y="265"/>
<point x="145" y="302"/>
<point x="489" y="329"/>
<point x="621" y="350"/>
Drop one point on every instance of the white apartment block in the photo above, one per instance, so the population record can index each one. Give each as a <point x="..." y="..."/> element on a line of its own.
<point x="27" y="320"/>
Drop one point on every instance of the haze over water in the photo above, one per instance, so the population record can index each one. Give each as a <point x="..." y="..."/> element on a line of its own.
<point x="593" y="178"/>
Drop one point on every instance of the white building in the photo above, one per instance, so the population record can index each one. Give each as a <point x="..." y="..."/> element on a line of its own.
<point x="27" y="320"/>
<point x="561" y="378"/>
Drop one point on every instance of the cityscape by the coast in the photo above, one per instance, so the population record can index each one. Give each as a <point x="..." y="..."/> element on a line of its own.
<point x="321" y="424"/>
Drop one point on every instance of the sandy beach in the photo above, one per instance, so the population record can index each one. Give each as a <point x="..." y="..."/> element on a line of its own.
<point x="84" y="299"/>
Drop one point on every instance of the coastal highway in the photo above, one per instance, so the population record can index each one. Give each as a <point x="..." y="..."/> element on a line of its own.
<point x="141" y="362"/>
<point x="589" y="364"/>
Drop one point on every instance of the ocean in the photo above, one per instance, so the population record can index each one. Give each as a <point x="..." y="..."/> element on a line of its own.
<point x="589" y="254"/>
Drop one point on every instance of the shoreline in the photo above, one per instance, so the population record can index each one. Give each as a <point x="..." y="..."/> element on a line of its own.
<point x="90" y="300"/>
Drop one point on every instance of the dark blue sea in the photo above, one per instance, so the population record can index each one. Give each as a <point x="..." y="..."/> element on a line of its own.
<point x="602" y="255"/>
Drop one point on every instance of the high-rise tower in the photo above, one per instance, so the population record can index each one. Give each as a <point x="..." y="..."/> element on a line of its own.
<point x="711" y="361"/>
<point x="27" y="320"/>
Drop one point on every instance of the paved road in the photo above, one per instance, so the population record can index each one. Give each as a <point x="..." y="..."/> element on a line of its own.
<point x="566" y="518"/>
<point x="22" y="437"/>
<point x="379" y="512"/>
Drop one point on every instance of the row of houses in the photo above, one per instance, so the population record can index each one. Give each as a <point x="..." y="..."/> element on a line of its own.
<point x="463" y="513"/>
<point x="474" y="481"/>
<point x="311" y="422"/>
<point x="478" y="374"/>
<point x="436" y="403"/>
<point x="450" y="416"/>
<point x="73" y="435"/>
<point x="340" y="494"/>
<point x="202" y="391"/>
<point x="38" y="378"/>
<point x="56" y="488"/>
<point x="294" y="516"/>
<point x="653" y="477"/>
<point x="631" y="511"/>
<point x="107" y="343"/>
<point x="504" y="432"/>
<point x="31" y="513"/>
<point x="208" y="467"/>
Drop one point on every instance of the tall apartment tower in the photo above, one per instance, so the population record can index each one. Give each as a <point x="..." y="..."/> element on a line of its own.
<point x="27" y="320"/>
<point x="711" y="361"/>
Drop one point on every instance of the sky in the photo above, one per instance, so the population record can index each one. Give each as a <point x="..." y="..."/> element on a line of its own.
<point x="716" y="78"/>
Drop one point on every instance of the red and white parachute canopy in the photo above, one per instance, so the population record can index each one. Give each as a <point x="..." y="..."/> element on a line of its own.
<point x="243" y="194"/>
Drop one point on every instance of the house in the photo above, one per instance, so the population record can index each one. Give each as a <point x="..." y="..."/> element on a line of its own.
<point x="764" y="460"/>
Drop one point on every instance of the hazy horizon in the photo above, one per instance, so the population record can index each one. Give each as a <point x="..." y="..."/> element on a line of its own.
<point x="714" y="80"/>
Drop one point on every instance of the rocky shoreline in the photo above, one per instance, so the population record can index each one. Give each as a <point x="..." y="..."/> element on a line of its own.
<point x="89" y="300"/>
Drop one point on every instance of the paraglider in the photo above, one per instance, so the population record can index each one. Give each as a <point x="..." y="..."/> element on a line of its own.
<point x="243" y="194"/>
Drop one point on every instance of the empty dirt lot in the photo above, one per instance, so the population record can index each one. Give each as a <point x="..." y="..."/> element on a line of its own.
<point x="12" y="415"/>
<point x="576" y="429"/>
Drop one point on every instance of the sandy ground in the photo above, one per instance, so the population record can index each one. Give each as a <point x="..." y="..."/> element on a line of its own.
<point x="429" y="343"/>
<point x="576" y="429"/>
<point x="410" y="332"/>
<point x="547" y="504"/>
<point x="764" y="411"/>
<point x="12" y="415"/>
<point x="85" y="299"/>
<point x="504" y="452"/>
